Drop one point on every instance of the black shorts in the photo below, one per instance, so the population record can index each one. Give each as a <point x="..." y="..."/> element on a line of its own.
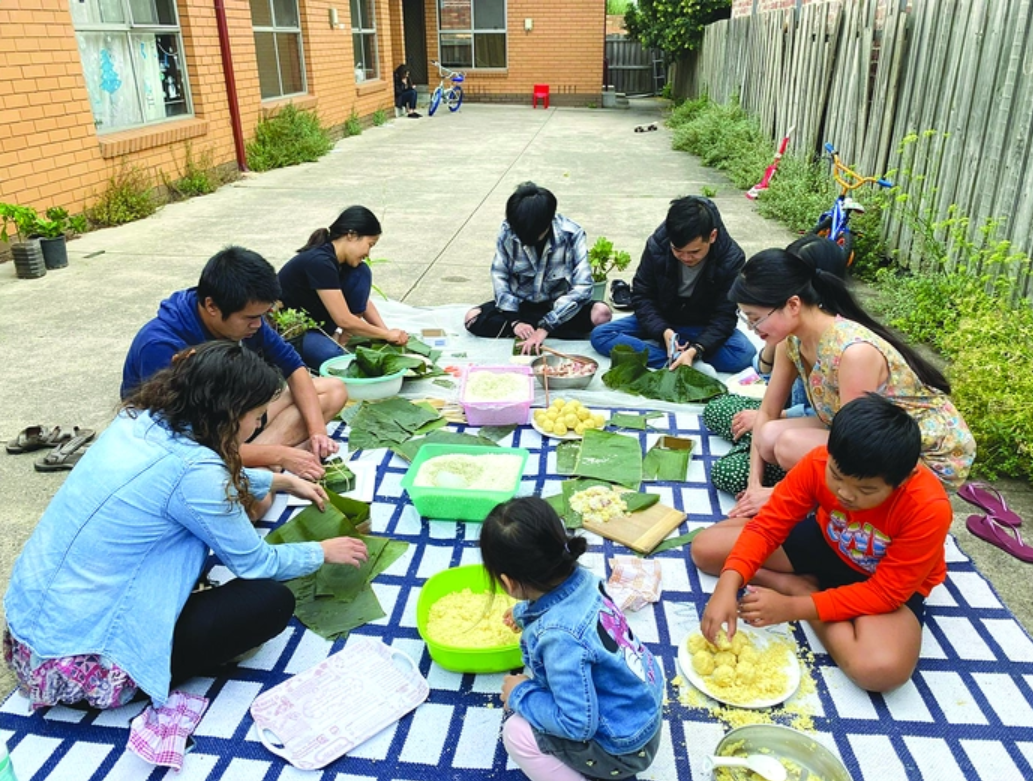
<point x="810" y="554"/>
<point x="260" y="429"/>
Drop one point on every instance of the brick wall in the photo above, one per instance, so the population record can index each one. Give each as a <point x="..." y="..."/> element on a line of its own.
<point x="51" y="153"/>
<point x="564" y="50"/>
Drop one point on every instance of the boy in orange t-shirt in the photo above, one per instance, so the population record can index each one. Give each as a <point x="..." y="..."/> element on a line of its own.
<point x="852" y="541"/>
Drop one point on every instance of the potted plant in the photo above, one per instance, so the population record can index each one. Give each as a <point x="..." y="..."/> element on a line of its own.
<point x="292" y="324"/>
<point x="52" y="233"/>
<point x="604" y="259"/>
<point x="28" y="255"/>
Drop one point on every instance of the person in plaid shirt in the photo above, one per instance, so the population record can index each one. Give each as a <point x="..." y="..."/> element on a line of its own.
<point x="541" y="276"/>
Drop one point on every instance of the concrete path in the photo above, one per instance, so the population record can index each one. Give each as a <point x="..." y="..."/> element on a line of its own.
<point x="439" y="186"/>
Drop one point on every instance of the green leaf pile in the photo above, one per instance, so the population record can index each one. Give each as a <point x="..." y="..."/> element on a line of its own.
<point x="337" y="598"/>
<point x="630" y="374"/>
<point x="387" y="423"/>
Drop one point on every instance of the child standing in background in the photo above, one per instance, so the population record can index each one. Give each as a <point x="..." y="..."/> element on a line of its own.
<point x="592" y="705"/>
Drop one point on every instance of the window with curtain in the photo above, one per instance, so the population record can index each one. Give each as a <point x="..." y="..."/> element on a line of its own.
<point x="277" y="28"/>
<point x="364" y="40"/>
<point x="472" y="33"/>
<point x="133" y="62"/>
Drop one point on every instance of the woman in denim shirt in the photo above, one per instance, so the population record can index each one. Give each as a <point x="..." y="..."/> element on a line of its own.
<point x="591" y="707"/>
<point x="99" y="605"/>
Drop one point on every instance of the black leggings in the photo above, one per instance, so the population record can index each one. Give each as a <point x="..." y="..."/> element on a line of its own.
<point x="220" y="624"/>
<point x="493" y="323"/>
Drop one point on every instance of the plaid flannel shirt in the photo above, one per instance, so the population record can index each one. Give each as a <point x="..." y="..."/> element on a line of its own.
<point x="562" y="275"/>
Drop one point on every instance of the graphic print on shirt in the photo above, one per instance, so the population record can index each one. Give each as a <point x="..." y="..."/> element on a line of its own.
<point x="863" y="544"/>
<point x="616" y="635"/>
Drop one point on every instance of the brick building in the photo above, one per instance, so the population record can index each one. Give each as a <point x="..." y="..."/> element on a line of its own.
<point x="87" y="85"/>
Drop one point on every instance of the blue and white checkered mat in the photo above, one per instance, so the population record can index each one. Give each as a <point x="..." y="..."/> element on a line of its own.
<point x="967" y="713"/>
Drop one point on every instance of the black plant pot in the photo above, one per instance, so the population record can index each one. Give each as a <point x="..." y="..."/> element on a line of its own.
<point x="28" y="260"/>
<point x="55" y="252"/>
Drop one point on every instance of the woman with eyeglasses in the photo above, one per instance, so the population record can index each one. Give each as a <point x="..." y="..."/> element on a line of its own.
<point x="822" y="336"/>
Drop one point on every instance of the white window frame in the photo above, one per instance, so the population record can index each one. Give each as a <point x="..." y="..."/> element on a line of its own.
<point x="363" y="67"/>
<point x="129" y="28"/>
<point x="473" y="33"/>
<point x="283" y="30"/>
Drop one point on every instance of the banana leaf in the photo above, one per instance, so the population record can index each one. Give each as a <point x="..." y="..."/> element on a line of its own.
<point x="338" y="477"/>
<point x="330" y="618"/>
<point x="495" y="433"/>
<point x="667" y="464"/>
<point x="632" y="420"/>
<point x="612" y="457"/>
<point x="630" y="374"/>
<point x="387" y="423"/>
<point x="408" y="450"/>
<point x="673" y="542"/>
<point x="378" y="363"/>
<point x="414" y="347"/>
<point x="572" y="520"/>
<point x="566" y="456"/>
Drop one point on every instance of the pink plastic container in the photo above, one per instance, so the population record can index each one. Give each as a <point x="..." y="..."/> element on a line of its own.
<point x="498" y="413"/>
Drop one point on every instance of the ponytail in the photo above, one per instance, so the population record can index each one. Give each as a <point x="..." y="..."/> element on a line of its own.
<point x="319" y="237"/>
<point x="356" y="220"/>
<point x="773" y="276"/>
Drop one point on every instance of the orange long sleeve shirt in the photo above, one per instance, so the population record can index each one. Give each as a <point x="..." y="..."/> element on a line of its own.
<point x="899" y="544"/>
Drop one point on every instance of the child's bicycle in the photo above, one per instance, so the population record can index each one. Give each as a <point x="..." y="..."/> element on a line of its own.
<point x="451" y="94"/>
<point x="835" y="223"/>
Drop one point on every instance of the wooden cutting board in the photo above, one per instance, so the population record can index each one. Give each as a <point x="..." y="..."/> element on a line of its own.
<point x="641" y="531"/>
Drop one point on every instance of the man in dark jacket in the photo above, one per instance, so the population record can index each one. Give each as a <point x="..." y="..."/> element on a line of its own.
<point x="680" y="294"/>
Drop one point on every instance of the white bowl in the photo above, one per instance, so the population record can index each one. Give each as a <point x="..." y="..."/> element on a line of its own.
<point x="364" y="388"/>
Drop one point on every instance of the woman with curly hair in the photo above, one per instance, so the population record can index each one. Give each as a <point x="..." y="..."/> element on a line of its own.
<point x="101" y="604"/>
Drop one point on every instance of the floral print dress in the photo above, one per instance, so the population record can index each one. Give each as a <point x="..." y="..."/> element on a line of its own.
<point x="947" y="445"/>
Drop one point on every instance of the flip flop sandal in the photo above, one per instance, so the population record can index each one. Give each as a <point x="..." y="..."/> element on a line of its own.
<point x="37" y="438"/>
<point x="67" y="455"/>
<point x="989" y="499"/>
<point x="1007" y="538"/>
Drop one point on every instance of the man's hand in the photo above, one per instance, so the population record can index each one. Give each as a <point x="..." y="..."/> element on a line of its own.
<point x="533" y="344"/>
<point x="322" y="446"/>
<point x="523" y="331"/>
<point x="397" y="336"/>
<point x="684" y="359"/>
<point x="509" y="683"/>
<point x="303" y="463"/>
<point x="764" y="607"/>
<point x="344" y="550"/>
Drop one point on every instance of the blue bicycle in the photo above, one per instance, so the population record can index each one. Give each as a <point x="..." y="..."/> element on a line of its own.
<point x="452" y="94"/>
<point x="835" y="223"/>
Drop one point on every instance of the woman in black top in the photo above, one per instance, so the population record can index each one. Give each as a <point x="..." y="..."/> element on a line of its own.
<point x="405" y="92"/>
<point x="330" y="280"/>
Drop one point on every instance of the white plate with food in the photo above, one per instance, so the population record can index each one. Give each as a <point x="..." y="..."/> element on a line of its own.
<point x="569" y="434"/>
<point x="763" y="669"/>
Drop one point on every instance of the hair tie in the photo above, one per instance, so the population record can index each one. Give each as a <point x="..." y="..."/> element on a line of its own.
<point x="819" y="273"/>
<point x="566" y="546"/>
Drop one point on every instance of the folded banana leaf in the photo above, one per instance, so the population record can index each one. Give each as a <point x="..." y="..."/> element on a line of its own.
<point x="632" y="420"/>
<point x="630" y="374"/>
<point x="667" y="464"/>
<point x="612" y="457"/>
<point x="338" y="477"/>
<point x="410" y="448"/>
<point x="387" y="423"/>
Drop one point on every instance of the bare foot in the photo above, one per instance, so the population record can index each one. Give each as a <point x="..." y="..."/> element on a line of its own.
<point x="785" y="582"/>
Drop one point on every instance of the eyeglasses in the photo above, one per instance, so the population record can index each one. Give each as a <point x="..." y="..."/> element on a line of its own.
<point x="755" y="324"/>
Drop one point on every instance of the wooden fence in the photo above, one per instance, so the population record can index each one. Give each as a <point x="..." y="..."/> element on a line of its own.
<point x="867" y="78"/>
<point x="632" y="69"/>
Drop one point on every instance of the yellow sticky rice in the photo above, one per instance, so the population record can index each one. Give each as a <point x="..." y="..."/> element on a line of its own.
<point x="463" y="619"/>
<point x="793" y="770"/>
<point x="599" y="504"/>
<point x="737" y="669"/>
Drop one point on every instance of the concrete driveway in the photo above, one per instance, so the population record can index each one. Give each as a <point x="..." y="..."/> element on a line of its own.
<point x="439" y="186"/>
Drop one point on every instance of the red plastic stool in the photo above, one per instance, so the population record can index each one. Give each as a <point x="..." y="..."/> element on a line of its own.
<point x="540" y="91"/>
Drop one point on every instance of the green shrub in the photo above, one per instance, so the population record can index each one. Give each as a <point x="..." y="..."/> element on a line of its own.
<point x="129" y="196"/>
<point x="197" y="177"/>
<point x="379" y="117"/>
<point x="288" y="138"/>
<point x="352" y="126"/>
<point x="991" y="352"/>
<point x="723" y="137"/>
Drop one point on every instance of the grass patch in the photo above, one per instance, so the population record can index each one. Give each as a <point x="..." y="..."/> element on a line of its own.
<point x="379" y="117"/>
<point x="128" y="196"/>
<point x="196" y="177"/>
<point x="723" y="137"/>
<point x="352" y="125"/>
<point x="288" y="138"/>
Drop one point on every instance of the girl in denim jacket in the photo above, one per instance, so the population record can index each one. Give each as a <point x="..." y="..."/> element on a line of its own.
<point x="591" y="706"/>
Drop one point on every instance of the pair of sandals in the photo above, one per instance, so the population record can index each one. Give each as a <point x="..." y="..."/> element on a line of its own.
<point x="646" y="128"/>
<point x="620" y="294"/>
<point x="66" y="448"/>
<point x="1000" y="525"/>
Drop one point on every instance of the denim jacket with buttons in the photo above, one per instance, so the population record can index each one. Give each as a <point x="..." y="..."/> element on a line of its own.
<point x="122" y="544"/>
<point x="593" y="679"/>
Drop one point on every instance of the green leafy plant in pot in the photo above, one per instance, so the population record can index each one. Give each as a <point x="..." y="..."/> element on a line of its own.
<point x="53" y="232"/>
<point x="27" y="253"/>
<point x="603" y="259"/>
